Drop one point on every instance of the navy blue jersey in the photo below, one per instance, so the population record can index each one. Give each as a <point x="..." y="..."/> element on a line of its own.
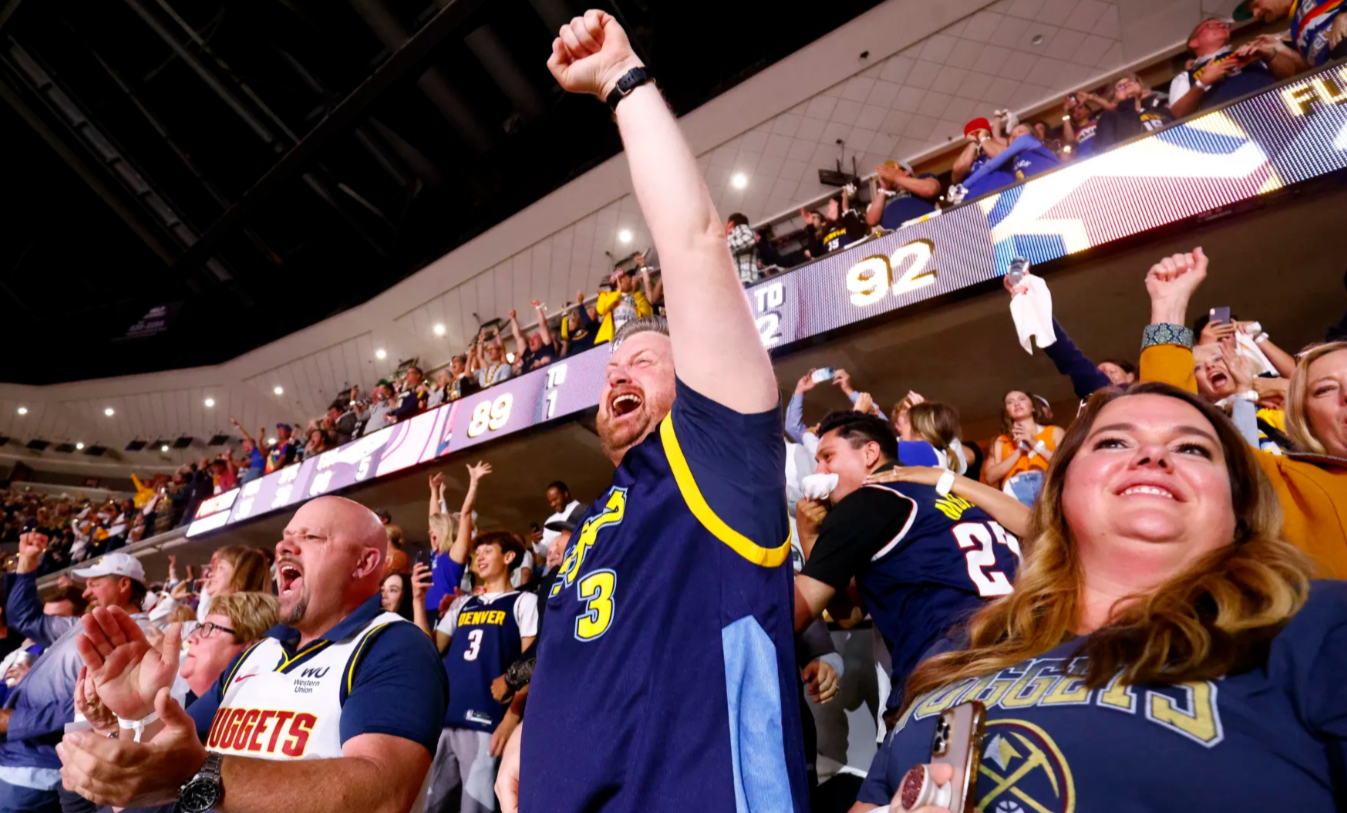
<point x="666" y="676"/>
<point x="486" y="640"/>
<point x="1273" y="738"/>
<point x="932" y="565"/>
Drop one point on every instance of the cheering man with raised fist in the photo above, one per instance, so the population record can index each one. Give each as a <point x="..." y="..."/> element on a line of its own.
<point x="666" y="673"/>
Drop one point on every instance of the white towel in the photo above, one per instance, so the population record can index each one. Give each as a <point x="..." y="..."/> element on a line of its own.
<point x="1032" y="312"/>
<point x="818" y="486"/>
<point x="1249" y="349"/>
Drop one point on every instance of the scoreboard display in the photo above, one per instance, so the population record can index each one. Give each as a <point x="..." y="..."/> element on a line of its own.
<point x="1289" y="133"/>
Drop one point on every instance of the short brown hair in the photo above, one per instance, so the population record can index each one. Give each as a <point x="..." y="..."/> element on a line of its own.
<point x="506" y="541"/>
<point x="70" y="594"/>
<point x="250" y="614"/>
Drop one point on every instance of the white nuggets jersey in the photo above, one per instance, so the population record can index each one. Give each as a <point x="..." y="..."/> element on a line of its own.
<point x="277" y="707"/>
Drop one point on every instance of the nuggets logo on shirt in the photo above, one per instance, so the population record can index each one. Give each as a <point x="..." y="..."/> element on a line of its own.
<point x="1026" y="770"/>
<point x="261" y="732"/>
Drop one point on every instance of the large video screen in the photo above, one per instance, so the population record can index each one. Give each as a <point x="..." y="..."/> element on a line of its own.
<point x="1289" y="133"/>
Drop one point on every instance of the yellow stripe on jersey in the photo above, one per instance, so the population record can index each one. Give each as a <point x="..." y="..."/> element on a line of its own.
<point x="287" y="660"/>
<point x="359" y="650"/>
<point x="692" y="495"/>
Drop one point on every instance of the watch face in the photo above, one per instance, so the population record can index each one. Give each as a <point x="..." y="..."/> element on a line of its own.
<point x="199" y="795"/>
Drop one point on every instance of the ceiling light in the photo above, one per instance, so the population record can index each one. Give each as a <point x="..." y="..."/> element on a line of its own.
<point x="210" y="402"/>
<point x="1037" y="40"/>
<point x="23" y="410"/>
<point x="79" y="445"/>
<point x="509" y="357"/>
<point x="624" y="236"/>
<point x="380" y="354"/>
<point x="278" y="390"/>
<point x="164" y="448"/>
<point x="109" y="412"/>
<point x="439" y="330"/>
<point x="1066" y="148"/>
<point x="739" y="180"/>
<point x="270" y="442"/>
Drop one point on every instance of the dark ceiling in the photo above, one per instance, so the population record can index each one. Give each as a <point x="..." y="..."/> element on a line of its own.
<point x="259" y="165"/>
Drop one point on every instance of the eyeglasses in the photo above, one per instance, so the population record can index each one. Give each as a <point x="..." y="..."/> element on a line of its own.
<point x="208" y="629"/>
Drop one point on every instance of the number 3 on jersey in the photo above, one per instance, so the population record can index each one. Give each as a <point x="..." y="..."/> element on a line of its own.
<point x="977" y="540"/>
<point x="596" y="590"/>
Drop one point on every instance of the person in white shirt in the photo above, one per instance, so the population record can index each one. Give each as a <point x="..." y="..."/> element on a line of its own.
<point x="561" y="502"/>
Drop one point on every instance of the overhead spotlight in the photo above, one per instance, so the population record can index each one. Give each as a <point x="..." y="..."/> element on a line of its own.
<point x="164" y="448"/>
<point x="271" y="441"/>
<point x="380" y="354"/>
<point x="624" y="236"/>
<point x="80" y="446"/>
<point x="279" y="390"/>
<point x="509" y="358"/>
<point x="1037" y="40"/>
<point x="739" y="181"/>
<point x="23" y="410"/>
<point x="210" y="402"/>
<point x="109" y="411"/>
<point x="1066" y="148"/>
<point x="439" y="330"/>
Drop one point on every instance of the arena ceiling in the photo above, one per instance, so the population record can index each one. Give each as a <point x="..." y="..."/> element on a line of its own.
<point x="189" y="181"/>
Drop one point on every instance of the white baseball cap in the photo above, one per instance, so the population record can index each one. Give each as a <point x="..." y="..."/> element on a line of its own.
<point x="114" y="564"/>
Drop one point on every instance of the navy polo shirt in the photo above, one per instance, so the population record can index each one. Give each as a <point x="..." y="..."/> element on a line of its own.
<point x="400" y="688"/>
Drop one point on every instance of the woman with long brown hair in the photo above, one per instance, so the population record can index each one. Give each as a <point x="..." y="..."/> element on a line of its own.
<point x="1164" y="647"/>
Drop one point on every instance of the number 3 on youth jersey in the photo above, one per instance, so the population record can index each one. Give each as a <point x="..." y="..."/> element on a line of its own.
<point x="977" y="540"/>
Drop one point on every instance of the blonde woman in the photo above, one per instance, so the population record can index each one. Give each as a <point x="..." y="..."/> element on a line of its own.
<point x="1164" y="647"/>
<point x="938" y="424"/>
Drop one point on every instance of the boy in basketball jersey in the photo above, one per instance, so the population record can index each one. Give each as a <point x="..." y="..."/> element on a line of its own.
<point x="922" y="559"/>
<point x="480" y="636"/>
<point x="666" y="677"/>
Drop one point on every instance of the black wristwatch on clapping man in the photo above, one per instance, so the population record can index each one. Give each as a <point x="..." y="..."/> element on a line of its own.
<point x="630" y="80"/>
<point x="205" y="790"/>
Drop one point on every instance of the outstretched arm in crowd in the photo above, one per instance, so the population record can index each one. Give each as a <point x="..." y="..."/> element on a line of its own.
<point x="1012" y="514"/>
<point x="463" y="541"/>
<point x="716" y="347"/>
<point x="23" y="608"/>
<point x="543" y="330"/>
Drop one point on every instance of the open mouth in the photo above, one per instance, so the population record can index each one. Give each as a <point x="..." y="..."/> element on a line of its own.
<point x="624" y="404"/>
<point x="291" y="577"/>
<point x="1219" y="380"/>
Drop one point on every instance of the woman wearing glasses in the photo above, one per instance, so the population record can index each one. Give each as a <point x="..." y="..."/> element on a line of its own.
<point x="235" y="621"/>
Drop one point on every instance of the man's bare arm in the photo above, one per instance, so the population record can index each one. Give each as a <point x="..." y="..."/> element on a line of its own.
<point x="379" y="773"/>
<point x="716" y="346"/>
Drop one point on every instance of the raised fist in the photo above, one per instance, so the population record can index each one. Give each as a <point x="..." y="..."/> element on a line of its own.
<point x="1177" y="276"/>
<point x="590" y="54"/>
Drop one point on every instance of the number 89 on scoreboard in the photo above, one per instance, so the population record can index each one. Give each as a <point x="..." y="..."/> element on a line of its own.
<point x="492" y="412"/>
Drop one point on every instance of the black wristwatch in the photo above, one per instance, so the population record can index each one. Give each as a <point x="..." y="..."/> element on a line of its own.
<point x="203" y="791"/>
<point x="630" y="80"/>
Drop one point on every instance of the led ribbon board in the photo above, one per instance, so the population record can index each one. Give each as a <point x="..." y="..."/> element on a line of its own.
<point x="1289" y="133"/>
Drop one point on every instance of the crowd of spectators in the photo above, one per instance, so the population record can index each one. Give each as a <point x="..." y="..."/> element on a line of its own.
<point x="1164" y="537"/>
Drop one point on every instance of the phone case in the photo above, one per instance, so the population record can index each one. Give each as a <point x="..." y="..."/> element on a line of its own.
<point x="958" y="742"/>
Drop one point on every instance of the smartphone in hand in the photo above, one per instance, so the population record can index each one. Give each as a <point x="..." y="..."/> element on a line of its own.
<point x="822" y="374"/>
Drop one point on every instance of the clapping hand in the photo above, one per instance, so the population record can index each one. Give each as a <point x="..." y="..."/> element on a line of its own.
<point x="127" y="672"/>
